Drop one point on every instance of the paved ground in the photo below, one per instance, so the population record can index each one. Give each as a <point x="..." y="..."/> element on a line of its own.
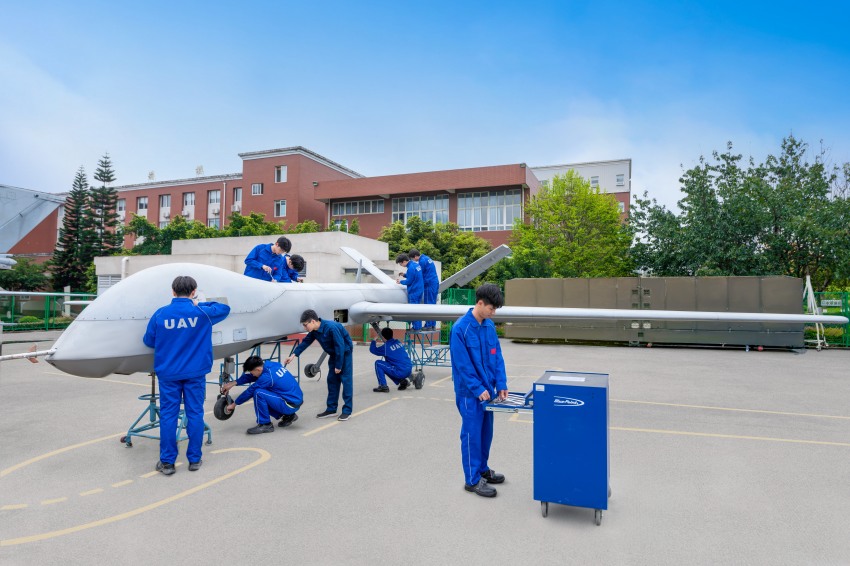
<point x="717" y="457"/>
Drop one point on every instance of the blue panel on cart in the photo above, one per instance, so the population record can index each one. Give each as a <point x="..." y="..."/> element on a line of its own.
<point x="571" y="461"/>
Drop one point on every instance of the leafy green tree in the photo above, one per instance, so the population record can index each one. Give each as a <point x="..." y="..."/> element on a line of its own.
<point x="72" y="255"/>
<point x="354" y="227"/>
<point x="102" y="216"/>
<point x="785" y="216"/>
<point x="445" y="243"/>
<point x="24" y="276"/>
<point x="573" y="231"/>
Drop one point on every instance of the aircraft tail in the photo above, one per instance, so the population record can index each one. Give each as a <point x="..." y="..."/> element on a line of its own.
<point x="364" y="262"/>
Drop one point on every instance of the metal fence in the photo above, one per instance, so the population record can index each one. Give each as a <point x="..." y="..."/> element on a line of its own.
<point x="39" y="311"/>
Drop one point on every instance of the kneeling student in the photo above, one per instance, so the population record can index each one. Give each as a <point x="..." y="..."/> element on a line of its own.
<point x="274" y="390"/>
<point x="396" y="365"/>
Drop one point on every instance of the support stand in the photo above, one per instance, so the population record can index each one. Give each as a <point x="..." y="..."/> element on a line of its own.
<point x="152" y="414"/>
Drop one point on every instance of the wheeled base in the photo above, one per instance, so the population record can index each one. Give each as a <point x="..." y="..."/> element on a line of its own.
<point x="597" y="513"/>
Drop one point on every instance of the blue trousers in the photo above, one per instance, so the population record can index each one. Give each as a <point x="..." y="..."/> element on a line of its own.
<point x="191" y="392"/>
<point x="430" y="298"/>
<point x="267" y="405"/>
<point x="383" y="367"/>
<point x="346" y="380"/>
<point x="415" y="300"/>
<point x="476" y="435"/>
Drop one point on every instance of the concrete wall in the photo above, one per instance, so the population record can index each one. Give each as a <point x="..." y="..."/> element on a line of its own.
<point x="325" y="261"/>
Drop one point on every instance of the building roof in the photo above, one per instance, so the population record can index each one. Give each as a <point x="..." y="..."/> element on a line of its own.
<point x="584" y="164"/>
<point x="301" y="150"/>
<point x="430" y="181"/>
<point x="21" y="210"/>
<point x="170" y="183"/>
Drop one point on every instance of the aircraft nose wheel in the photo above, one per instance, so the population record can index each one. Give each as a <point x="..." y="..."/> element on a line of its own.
<point x="311" y="370"/>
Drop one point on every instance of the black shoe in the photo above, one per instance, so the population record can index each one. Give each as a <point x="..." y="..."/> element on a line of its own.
<point x="287" y="420"/>
<point x="381" y="389"/>
<point x="195" y="466"/>
<point x="344" y="417"/>
<point x="404" y="384"/>
<point x="166" y="469"/>
<point x="481" y="488"/>
<point x="326" y="414"/>
<point x="493" y="477"/>
<point x="261" y="428"/>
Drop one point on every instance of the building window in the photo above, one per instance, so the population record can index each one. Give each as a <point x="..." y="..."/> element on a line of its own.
<point x="357" y="207"/>
<point x="142" y="204"/>
<point x="434" y="208"/>
<point x="594" y="182"/>
<point x="214" y="197"/>
<point x="165" y="201"/>
<point x="213" y="223"/>
<point x="622" y="206"/>
<point x="237" y="194"/>
<point x="621" y="180"/>
<point x="279" y="175"/>
<point x="256" y="189"/>
<point x="163" y="224"/>
<point x="188" y="199"/>
<point x="120" y="205"/>
<point x="279" y="208"/>
<point x="494" y="210"/>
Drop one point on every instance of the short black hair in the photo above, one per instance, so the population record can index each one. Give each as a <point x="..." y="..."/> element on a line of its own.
<point x="183" y="285"/>
<point x="284" y="244"/>
<point x="252" y="363"/>
<point x="490" y="294"/>
<point x="309" y="314"/>
<point x="401" y="257"/>
<point x="414" y="252"/>
<point x="298" y="263"/>
<point x="387" y="333"/>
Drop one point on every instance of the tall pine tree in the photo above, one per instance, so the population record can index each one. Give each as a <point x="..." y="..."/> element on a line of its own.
<point x="69" y="261"/>
<point x="102" y="219"/>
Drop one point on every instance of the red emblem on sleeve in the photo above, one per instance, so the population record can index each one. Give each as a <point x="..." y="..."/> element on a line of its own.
<point x="493" y="351"/>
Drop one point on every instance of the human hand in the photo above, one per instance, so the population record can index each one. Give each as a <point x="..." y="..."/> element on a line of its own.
<point x="227" y="386"/>
<point x="337" y="370"/>
<point x="289" y="359"/>
<point x="267" y="269"/>
<point x="230" y="408"/>
<point x="484" y="396"/>
<point x="503" y="394"/>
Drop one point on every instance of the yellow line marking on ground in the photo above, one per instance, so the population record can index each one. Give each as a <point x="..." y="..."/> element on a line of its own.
<point x="149" y="474"/>
<point x="8" y="471"/>
<point x="14" y="506"/>
<point x="434" y="383"/>
<point x="52" y="501"/>
<point x="122" y="483"/>
<point x="731" y="409"/>
<point x="357" y="414"/>
<point x="264" y="457"/>
<point x="92" y="492"/>
<point x="732" y="436"/>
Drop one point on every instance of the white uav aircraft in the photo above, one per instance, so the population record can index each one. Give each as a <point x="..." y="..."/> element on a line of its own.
<point x="107" y="336"/>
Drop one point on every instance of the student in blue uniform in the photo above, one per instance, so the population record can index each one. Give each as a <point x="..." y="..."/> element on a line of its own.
<point x="294" y="266"/>
<point x="478" y="371"/>
<point x="430" y="282"/>
<point x="336" y="342"/>
<point x="396" y="366"/>
<point x="266" y="261"/>
<point x="413" y="280"/>
<point x="181" y="337"/>
<point x="274" y="390"/>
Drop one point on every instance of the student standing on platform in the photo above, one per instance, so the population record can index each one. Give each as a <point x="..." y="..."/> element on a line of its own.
<point x="266" y="261"/>
<point x="413" y="280"/>
<point x="181" y="337"/>
<point x="431" y="282"/>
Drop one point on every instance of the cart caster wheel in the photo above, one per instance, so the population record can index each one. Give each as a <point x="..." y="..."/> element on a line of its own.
<point x="208" y="442"/>
<point x="127" y="441"/>
<point x="544" y="508"/>
<point x="597" y="517"/>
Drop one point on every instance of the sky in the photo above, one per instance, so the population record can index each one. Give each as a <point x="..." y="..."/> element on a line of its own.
<point x="401" y="87"/>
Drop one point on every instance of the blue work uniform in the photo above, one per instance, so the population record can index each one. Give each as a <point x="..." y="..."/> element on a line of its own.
<point x="477" y="366"/>
<point x="413" y="280"/>
<point x="263" y="255"/>
<point x="181" y="337"/>
<point x="396" y="365"/>
<point x="334" y="340"/>
<point x="275" y="393"/>
<point x="431" y="284"/>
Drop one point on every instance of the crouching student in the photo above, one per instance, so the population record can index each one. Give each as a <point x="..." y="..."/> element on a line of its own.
<point x="274" y="390"/>
<point x="396" y="364"/>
